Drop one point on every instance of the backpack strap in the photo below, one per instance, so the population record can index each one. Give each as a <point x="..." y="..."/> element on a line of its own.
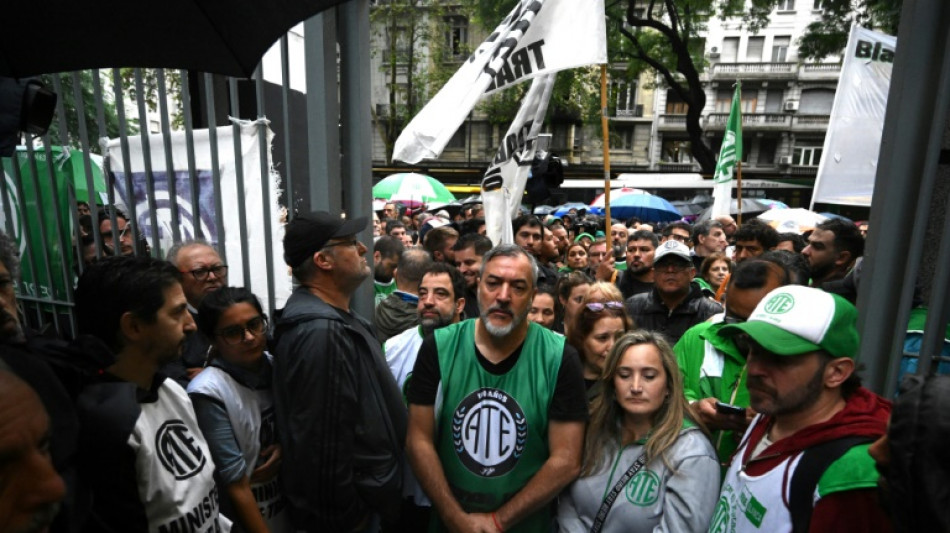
<point x="811" y="467"/>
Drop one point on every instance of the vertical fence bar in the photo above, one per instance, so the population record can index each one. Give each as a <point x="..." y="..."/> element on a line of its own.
<point x="124" y="132"/>
<point x="264" y="150"/>
<point x="169" y="160"/>
<point x="215" y="166"/>
<point x="147" y="160"/>
<point x="41" y="227"/>
<point x="190" y="149"/>
<point x="239" y="180"/>
<point x="80" y="106"/>
<point x="323" y="112"/>
<point x="285" y="101"/>
<point x="65" y="246"/>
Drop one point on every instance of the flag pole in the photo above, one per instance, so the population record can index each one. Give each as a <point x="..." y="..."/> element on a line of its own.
<point x="739" y="164"/>
<point x="606" y="133"/>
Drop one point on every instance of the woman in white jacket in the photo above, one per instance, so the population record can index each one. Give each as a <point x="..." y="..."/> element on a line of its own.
<point x="648" y="464"/>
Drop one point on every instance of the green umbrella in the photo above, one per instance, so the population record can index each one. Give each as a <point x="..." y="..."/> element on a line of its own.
<point x="412" y="189"/>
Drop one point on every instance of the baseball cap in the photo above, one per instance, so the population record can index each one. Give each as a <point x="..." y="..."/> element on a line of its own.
<point x="306" y="234"/>
<point x="672" y="247"/>
<point x="795" y="319"/>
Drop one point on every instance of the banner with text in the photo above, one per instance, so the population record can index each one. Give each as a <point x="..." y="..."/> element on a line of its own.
<point x="848" y="163"/>
<point x="199" y="212"/>
<point x="537" y="37"/>
<point x="504" y="181"/>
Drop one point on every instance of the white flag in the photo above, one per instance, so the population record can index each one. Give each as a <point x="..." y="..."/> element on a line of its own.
<point x="537" y="37"/>
<point x="504" y="181"/>
<point x="848" y="163"/>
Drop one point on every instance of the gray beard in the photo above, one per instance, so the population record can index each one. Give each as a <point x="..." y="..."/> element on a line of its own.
<point x="503" y="331"/>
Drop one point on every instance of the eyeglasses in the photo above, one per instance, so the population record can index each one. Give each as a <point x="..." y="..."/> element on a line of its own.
<point x="122" y="232"/>
<point x="235" y="334"/>
<point x="746" y="344"/>
<point x="202" y="274"/>
<point x="672" y="267"/>
<point x="679" y="238"/>
<point x="347" y="242"/>
<point x="730" y="319"/>
<point x="598" y="307"/>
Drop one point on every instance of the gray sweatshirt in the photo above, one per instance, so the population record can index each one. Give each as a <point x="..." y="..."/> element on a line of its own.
<point x="656" y="499"/>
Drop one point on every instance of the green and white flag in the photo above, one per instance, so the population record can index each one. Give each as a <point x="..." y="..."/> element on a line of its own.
<point x="729" y="156"/>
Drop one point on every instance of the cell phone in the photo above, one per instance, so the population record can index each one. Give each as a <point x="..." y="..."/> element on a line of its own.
<point x="729" y="409"/>
<point x="619" y="253"/>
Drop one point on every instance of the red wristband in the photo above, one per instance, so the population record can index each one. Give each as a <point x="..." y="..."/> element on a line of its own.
<point x="497" y="523"/>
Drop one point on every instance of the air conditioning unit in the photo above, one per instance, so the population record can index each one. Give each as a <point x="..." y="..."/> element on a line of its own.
<point x="791" y="106"/>
<point x="785" y="161"/>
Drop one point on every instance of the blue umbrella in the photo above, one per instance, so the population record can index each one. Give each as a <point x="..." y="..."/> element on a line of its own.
<point x="646" y="207"/>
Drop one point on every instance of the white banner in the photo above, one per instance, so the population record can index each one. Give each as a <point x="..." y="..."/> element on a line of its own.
<point x="537" y="37"/>
<point x="194" y="213"/>
<point x="504" y="181"/>
<point x="849" y="159"/>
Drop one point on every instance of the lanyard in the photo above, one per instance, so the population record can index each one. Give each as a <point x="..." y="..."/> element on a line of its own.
<point x="610" y="497"/>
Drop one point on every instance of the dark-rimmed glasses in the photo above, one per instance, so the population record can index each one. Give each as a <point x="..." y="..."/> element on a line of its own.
<point x="235" y="334"/>
<point x="347" y="242"/>
<point x="598" y="307"/>
<point x="202" y="274"/>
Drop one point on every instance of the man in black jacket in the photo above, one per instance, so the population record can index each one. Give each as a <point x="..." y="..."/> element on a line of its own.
<point x="675" y="304"/>
<point x="341" y="419"/>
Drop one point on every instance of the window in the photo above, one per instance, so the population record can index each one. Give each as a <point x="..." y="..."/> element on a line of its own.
<point x="625" y="98"/>
<point x="774" y="98"/>
<point x="730" y="49"/>
<point x="456" y="36"/>
<point x="401" y="40"/>
<point x="816" y="102"/>
<point x="780" y="48"/>
<point x="747" y="101"/>
<point x="674" y="104"/>
<point x="807" y="156"/>
<point x="457" y="141"/>
<point x="786" y="5"/>
<point x="676" y="151"/>
<point x="753" y="51"/>
<point x="623" y="139"/>
<point x="767" y="149"/>
<point x="817" y="5"/>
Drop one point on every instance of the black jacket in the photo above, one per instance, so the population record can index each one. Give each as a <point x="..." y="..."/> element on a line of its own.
<point x="341" y="420"/>
<point x="648" y="312"/>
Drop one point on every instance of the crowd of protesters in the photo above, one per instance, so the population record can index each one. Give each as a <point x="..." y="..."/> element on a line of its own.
<point x="684" y="378"/>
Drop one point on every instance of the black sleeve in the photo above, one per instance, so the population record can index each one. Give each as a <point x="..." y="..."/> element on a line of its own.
<point x="424" y="381"/>
<point x="570" y="395"/>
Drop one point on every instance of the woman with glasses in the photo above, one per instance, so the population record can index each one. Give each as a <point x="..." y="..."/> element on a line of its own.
<point x="599" y="322"/>
<point x="233" y="403"/>
<point x="648" y="465"/>
<point x="571" y="290"/>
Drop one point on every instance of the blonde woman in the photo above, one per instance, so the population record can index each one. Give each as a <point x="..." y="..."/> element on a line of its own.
<point x="648" y="464"/>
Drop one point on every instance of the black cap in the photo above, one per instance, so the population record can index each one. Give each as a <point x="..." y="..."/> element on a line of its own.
<point x="306" y="234"/>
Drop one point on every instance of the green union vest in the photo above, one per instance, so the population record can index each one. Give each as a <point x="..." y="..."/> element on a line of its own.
<point x="492" y="430"/>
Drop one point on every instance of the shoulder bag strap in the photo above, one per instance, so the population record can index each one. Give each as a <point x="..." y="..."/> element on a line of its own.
<point x="609" y="499"/>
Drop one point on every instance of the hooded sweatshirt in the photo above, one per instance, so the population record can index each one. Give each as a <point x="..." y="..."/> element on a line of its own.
<point x="755" y="492"/>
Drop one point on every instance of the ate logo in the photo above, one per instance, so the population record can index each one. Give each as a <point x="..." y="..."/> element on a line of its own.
<point x="643" y="489"/>
<point x="489" y="432"/>
<point x="177" y="450"/>
<point x="779" y="304"/>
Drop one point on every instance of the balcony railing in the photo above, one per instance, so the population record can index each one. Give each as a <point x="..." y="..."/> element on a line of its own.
<point x="811" y="121"/>
<point x="821" y="67"/>
<point x="753" y="120"/>
<point x="736" y="69"/>
<point x="673" y="121"/>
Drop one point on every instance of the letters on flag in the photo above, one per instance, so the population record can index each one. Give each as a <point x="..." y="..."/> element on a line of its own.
<point x="729" y="157"/>
<point x="538" y="37"/>
<point x="504" y="182"/>
<point x="848" y="163"/>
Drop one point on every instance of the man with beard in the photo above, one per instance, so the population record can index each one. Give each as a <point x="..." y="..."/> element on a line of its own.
<point x="803" y="463"/>
<point x="675" y="303"/>
<point x="397" y="312"/>
<point x="141" y="451"/>
<point x="557" y="228"/>
<point x="638" y="276"/>
<point x="341" y="421"/>
<point x="386" y="252"/>
<point x="469" y="250"/>
<point x="203" y="272"/>
<point x="832" y="250"/>
<point x="30" y="490"/>
<point x="504" y="382"/>
<point x="440" y="304"/>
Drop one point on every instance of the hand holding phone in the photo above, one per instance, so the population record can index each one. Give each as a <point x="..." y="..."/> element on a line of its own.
<point x="729" y="409"/>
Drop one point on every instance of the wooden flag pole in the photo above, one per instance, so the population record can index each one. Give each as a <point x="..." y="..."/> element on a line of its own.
<point x="606" y="133"/>
<point x="739" y="191"/>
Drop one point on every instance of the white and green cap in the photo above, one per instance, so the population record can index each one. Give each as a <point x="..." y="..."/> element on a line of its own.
<point x="794" y="319"/>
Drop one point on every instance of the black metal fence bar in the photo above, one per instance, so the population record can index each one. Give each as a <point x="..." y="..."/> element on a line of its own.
<point x="169" y="160"/>
<point x="264" y="151"/>
<point x="190" y="150"/>
<point x="239" y="181"/>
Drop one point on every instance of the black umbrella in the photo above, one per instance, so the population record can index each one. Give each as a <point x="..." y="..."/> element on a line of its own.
<point x="686" y="208"/>
<point x="750" y="206"/>
<point x="203" y="35"/>
<point x="473" y="199"/>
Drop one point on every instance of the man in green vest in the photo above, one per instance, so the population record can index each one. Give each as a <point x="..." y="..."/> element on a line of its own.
<point x="497" y="409"/>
